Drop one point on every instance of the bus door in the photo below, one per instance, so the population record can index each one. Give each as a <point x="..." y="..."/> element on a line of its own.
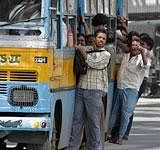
<point x="64" y="34"/>
<point x="37" y="83"/>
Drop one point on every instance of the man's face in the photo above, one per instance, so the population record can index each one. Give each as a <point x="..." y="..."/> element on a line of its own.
<point x="100" y="40"/>
<point x="135" y="48"/>
<point x="144" y="45"/>
<point x="81" y="41"/>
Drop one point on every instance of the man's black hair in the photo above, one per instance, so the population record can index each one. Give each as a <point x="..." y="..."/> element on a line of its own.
<point x="89" y="39"/>
<point x="148" y="40"/>
<point x="100" y="19"/>
<point x="100" y="31"/>
<point x="80" y="34"/>
<point x="144" y="35"/>
<point x="130" y="35"/>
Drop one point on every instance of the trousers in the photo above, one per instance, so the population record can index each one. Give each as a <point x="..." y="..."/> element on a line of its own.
<point x="124" y="105"/>
<point x="87" y="113"/>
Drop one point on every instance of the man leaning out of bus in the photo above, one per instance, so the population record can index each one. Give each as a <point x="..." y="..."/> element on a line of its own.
<point x="130" y="76"/>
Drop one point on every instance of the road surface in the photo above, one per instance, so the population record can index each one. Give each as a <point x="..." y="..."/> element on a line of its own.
<point x="145" y="133"/>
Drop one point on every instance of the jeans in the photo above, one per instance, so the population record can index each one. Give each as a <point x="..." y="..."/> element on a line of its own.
<point x="142" y="87"/>
<point x="125" y="102"/>
<point x="141" y="91"/>
<point x="88" y="112"/>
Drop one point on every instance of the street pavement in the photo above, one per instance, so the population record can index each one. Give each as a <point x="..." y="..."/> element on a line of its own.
<point x="145" y="133"/>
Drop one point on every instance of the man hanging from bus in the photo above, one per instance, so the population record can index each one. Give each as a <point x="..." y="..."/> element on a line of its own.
<point x="90" y="90"/>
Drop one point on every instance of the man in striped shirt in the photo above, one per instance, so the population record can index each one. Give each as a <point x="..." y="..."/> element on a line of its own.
<point x="90" y="89"/>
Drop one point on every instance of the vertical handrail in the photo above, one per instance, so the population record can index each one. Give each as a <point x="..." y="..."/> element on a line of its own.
<point x="47" y="19"/>
<point x="60" y="23"/>
<point x="119" y="7"/>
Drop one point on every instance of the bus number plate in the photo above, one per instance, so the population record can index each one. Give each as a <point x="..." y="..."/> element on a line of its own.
<point x="40" y="59"/>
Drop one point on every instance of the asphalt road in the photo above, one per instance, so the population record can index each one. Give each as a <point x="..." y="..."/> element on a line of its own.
<point x="145" y="133"/>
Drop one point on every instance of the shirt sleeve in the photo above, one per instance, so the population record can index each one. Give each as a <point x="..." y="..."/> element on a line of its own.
<point x="147" y="65"/>
<point x="98" y="60"/>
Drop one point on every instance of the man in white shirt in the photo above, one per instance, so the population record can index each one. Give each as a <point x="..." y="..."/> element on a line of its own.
<point x="147" y="43"/>
<point x="129" y="79"/>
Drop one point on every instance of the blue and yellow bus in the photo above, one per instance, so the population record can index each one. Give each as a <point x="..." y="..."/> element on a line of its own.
<point x="37" y="83"/>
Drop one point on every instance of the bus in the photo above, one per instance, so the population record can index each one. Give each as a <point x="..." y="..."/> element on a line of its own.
<point x="37" y="83"/>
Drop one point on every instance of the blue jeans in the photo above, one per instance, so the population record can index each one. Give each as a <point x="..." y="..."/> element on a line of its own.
<point x="88" y="111"/>
<point x="140" y="92"/>
<point x="124" y="104"/>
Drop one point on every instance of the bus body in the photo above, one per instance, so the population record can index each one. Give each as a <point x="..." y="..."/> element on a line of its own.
<point x="37" y="83"/>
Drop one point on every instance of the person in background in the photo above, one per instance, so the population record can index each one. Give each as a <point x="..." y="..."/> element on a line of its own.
<point x="122" y="31"/>
<point x="99" y="21"/>
<point x="147" y="43"/>
<point x="129" y="78"/>
<point x="124" y="43"/>
<point x="89" y="39"/>
<point x="81" y="39"/>
<point x="90" y="90"/>
<point x="121" y="42"/>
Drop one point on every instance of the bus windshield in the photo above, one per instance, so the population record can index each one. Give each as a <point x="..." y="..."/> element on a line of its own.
<point x="19" y="16"/>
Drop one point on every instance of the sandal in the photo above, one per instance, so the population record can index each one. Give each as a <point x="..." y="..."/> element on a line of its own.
<point x="119" y="141"/>
<point x="125" y="137"/>
<point x="107" y="137"/>
<point x="113" y="139"/>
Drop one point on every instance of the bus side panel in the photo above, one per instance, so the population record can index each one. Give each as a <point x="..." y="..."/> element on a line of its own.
<point x="67" y="99"/>
<point x="63" y="76"/>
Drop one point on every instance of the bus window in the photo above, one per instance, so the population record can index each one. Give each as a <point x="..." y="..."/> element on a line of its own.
<point x="14" y="14"/>
<point x="71" y="7"/>
<point x="6" y="7"/>
<point x="96" y="6"/>
<point x="106" y="7"/>
<point x="65" y="6"/>
<point x="86" y="6"/>
<point x="112" y="8"/>
<point x="65" y="22"/>
<point x="100" y="6"/>
<point x="93" y="7"/>
<point x="25" y="10"/>
<point x="19" y="10"/>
